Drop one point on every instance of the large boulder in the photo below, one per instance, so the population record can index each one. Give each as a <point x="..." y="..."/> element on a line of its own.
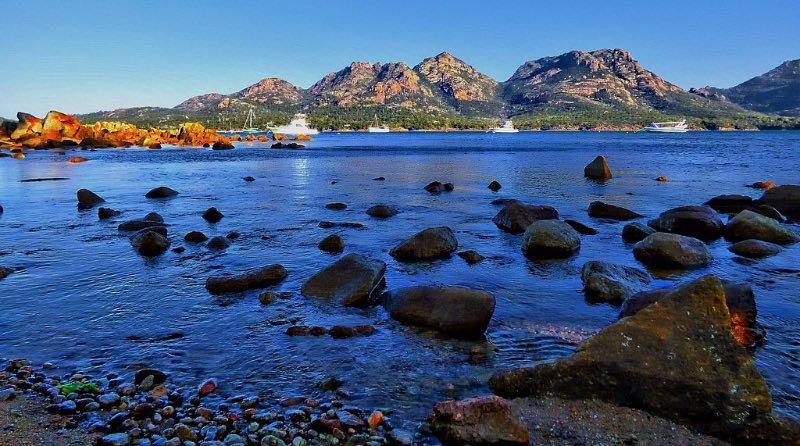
<point x="677" y="359"/>
<point x="149" y="243"/>
<point x="257" y="278"/>
<point x="748" y="225"/>
<point x="458" y="312"/>
<point x="610" y="282"/>
<point x="546" y="239"/>
<point x="57" y="126"/>
<point x="429" y="244"/>
<point x="597" y="169"/>
<point x="598" y="209"/>
<point x="739" y="298"/>
<point x="755" y="249"/>
<point x="353" y="280"/>
<point x="487" y="420"/>
<point x="29" y="126"/>
<point x="786" y="199"/>
<point x="663" y="250"/>
<point x="516" y="216"/>
<point x="701" y="222"/>
<point x="730" y="204"/>
<point x="88" y="199"/>
<point x="636" y="232"/>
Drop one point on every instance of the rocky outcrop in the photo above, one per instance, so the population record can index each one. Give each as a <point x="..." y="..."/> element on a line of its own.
<point x="428" y="244"/>
<point x="701" y="222"/>
<point x="677" y="359"/>
<point x="257" y="278"/>
<point x="546" y="239"/>
<point x="597" y="169"/>
<point x="353" y="280"/>
<point x="598" y="209"/>
<point x="488" y="420"/>
<point x="662" y="250"/>
<point x="610" y="282"/>
<point x="750" y="225"/>
<point x="458" y="312"/>
<point x="516" y="216"/>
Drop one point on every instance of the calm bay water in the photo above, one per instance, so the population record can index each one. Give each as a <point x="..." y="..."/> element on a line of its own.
<point x="85" y="299"/>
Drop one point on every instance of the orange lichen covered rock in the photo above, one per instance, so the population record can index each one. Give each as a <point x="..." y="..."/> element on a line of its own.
<point x="279" y="137"/>
<point x="28" y="126"/>
<point x="77" y="159"/>
<point x="302" y="138"/>
<point x="57" y="125"/>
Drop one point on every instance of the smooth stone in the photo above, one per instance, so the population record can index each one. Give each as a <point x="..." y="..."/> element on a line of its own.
<point x="769" y="211"/>
<point x="597" y="169"/>
<point x="700" y="222"/>
<point x="382" y="211"/>
<point x="663" y="250"/>
<point x="117" y="439"/>
<point x="336" y="206"/>
<point x="755" y="249"/>
<point x="352" y="280"/>
<point x="547" y="239"/>
<point x="346" y="224"/>
<point x="195" y="237"/>
<point x="154" y="216"/>
<point x="437" y="187"/>
<point x="750" y="225"/>
<point x="471" y="257"/>
<point x="5" y="272"/>
<point x="494" y="186"/>
<point x="516" y="216"/>
<point x="486" y="420"/>
<point x="581" y="228"/>
<point x="219" y="145"/>
<point x="249" y="179"/>
<point x="428" y="244"/>
<point x="137" y="225"/>
<point x="785" y="199"/>
<point x="106" y="213"/>
<point x="256" y="278"/>
<point x="455" y="311"/>
<point x="332" y="243"/>
<point x="87" y="199"/>
<point x="149" y="243"/>
<point x="598" y="209"/>
<point x="636" y="232"/>
<point x="218" y="243"/>
<point x="612" y="283"/>
<point x="730" y="204"/>
<point x="212" y="215"/>
<point x="161" y="192"/>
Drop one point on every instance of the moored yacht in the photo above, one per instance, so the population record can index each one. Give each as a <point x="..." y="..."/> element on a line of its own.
<point x="297" y="126"/>
<point x="507" y="127"/>
<point x="378" y="128"/>
<point x="248" y="123"/>
<point x="668" y="127"/>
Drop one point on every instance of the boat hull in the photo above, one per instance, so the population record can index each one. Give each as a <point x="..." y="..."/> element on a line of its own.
<point x="501" y="130"/>
<point x="291" y="131"/>
<point x="652" y="130"/>
<point x="378" y="130"/>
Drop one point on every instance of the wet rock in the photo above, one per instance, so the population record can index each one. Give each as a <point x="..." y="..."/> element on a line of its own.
<point x="268" y="297"/>
<point x="379" y="179"/>
<point x="149" y="242"/>
<point x="455" y="311"/>
<point x="636" y="232"/>
<point x="346" y="224"/>
<point x="257" y="278"/>
<point x="769" y="211"/>
<point x="701" y="222"/>
<point x="249" y="179"/>
<point x="336" y="206"/>
<point x="471" y="257"/>
<point x="8" y="394"/>
<point x="516" y="216"/>
<point x="106" y="213"/>
<point x="762" y="185"/>
<point x="581" y="228"/>
<point x="219" y="145"/>
<point x="233" y="235"/>
<point x="597" y="169"/>
<point x="610" y="282"/>
<point x="352" y="280"/>
<point x="488" y="420"/>
<point x="785" y="199"/>
<point x="755" y="249"/>
<point x="67" y="407"/>
<point x="494" y="186"/>
<point x="218" y="243"/>
<point x="750" y="225"/>
<point x="212" y="215"/>
<point x="598" y="209"/>
<point x="5" y="272"/>
<point x="662" y="179"/>
<point x="87" y="199"/>
<point x="730" y="204"/>
<point x="195" y="237"/>
<point x="381" y="211"/>
<point x="677" y="359"/>
<point x="398" y="437"/>
<point x="547" y="239"/>
<point x="504" y="201"/>
<point x="77" y="160"/>
<point x="436" y="187"/>
<point x="154" y="216"/>
<point x="332" y="243"/>
<point x="341" y="332"/>
<point x="428" y="244"/>
<point x="178" y="249"/>
<point x="207" y="387"/>
<point x="159" y="377"/>
<point x="161" y="192"/>
<point x="662" y="250"/>
<point x="117" y="439"/>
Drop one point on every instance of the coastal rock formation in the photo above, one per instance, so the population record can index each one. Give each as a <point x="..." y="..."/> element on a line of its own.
<point x="87" y="199"/>
<point x="755" y="249"/>
<point x="597" y="169"/>
<point x="488" y="420"/>
<point x="662" y="250"/>
<point x="598" y="209"/>
<point x="428" y="244"/>
<point x="610" y="282"/>
<point x="546" y="239"/>
<point x="676" y="358"/>
<point x="701" y="222"/>
<point x="516" y="216"/>
<point x="455" y="311"/>
<point x="636" y="232"/>
<point x="257" y="278"/>
<point x="750" y="225"/>
<point x="785" y="199"/>
<point x="352" y="281"/>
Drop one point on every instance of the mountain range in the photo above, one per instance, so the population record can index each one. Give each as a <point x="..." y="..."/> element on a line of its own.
<point x="578" y="86"/>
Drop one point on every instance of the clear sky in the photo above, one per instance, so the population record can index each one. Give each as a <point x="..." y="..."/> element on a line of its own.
<point x="94" y="55"/>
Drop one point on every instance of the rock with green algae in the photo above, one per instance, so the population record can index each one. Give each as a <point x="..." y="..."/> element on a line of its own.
<point x="676" y="358"/>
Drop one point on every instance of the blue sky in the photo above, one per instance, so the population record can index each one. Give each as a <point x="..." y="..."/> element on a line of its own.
<point x="99" y="55"/>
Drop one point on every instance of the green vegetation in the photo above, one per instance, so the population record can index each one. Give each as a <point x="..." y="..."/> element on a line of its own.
<point x="83" y="387"/>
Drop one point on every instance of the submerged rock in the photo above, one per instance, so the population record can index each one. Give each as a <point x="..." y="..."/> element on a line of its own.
<point x="5" y="272"/>
<point x="494" y="186"/>
<point x="106" y="213"/>
<point x="435" y="187"/>
<point x="257" y="278"/>
<point x="218" y="243"/>
<point x="545" y="239"/>
<point x="701" y="222"/>
<point x="598" y="209"/>
<point x="331" y="243"/>
<point x="610" y="282"/>
<point x="219" y="145"/>
<point x="471" y="257"/>
<point x="195" y="237"/>
<point x="381" y="211"/>
<point x="161" y="192"/>
<point x="137" y="225"/>
<point x="336" y="206"/>
<point x="352" y="280"/>
<point x="677" y="359"/>
<point x="663" y="250"/>
<point x="636" y="232"/>
<point x="487" y="420"/>
<point x="581" y="228"/>
<point x="429" y="244"/>
<point x="750" y="225"/>
<point x="87" y="199"/>
<point x="458" y="312"/>
<point x="149" y="242"/>
<point x="516" y="216"/>
<point x="597" y="169"/>
<point x="212" y="215"/>
<point x="755" y="249"/>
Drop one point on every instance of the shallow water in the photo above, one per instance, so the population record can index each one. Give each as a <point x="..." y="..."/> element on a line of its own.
<point x="84" y="299"/>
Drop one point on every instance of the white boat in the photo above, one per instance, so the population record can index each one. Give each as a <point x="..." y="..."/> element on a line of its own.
<point x="668" y="127"/>
<point x="378" y="128"/>
<point x="297" y="126"/>
<point x="507" y="127"/>
<point x="248" y="123"/>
